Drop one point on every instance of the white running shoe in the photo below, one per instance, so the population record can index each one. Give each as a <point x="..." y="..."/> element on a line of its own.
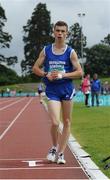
<point x="61" y="159"/>
<point x="52" y="155"/>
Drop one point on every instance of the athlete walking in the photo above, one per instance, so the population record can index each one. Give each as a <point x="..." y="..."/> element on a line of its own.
<point x="40" y="91"/>
<point x="61" y="65"/>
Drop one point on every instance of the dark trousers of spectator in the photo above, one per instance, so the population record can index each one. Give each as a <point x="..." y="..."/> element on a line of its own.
<point x="95" y="95"/>
<point x="86" y="99"/>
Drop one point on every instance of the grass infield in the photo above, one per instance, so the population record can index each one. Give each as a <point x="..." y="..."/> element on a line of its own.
<point x="91" y="128"/>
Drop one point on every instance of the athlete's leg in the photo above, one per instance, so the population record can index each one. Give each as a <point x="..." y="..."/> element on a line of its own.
<point x="40" y="96"/>
<point x="66" y="115"/>
<point x="54" y="108"/>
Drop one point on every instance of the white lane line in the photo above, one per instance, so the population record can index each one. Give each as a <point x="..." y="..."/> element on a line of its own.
<point x="24" y="159"/>
<point x="3" y="102"/>
<point x="11" y="104"/>
<point x="6" y="130"/>
<point x="39" y="168"/>
<point x="46" y="179"/>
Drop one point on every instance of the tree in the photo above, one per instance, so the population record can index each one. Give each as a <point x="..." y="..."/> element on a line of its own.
<point x="75" y="36"/>
<point x="38" y="33"/>
<point x="106" y="40"/>
<point x="7" y="76"/>
<point x="98" y="60"/>
<point x="5" y="39"/>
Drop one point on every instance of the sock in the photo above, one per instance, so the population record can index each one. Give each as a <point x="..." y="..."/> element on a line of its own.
<point x="60" y="153"/>
<point x="54" y="147"/>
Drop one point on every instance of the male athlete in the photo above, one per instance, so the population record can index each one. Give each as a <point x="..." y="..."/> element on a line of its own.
<point x="61" y="65"/>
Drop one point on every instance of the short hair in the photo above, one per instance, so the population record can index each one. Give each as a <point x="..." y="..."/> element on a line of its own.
<point x="61" y="23"/>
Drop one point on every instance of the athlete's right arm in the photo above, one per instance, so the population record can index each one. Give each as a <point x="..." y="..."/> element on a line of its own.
<point x="37" y="66"/>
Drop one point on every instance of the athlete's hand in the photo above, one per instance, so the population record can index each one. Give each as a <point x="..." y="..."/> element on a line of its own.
<point x="56" y="75"/>
<point x="49" y="77"/>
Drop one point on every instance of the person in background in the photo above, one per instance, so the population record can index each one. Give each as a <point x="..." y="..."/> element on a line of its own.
<point x="95" y="89"/>
<point x="106" y="88"/>
<point x="8" y="92"/>
<point x="61" y="66"/>
<point x="86" y="88"/>
<point x="40" y="91"/>
<point x="2" y="92"/>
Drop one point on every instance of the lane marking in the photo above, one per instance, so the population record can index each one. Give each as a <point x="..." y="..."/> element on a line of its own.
<point x="23" y="109"/>
<point x="3" y="102"/>
<point x="11" y="104"/>
<point x="40" y="168"/>
<point x="25" y="159"/>
<point x="33" y="163"/>
<point x="46" y="179"/>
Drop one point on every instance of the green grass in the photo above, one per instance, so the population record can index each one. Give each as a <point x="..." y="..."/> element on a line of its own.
<point x="26" y="87"/>
<point x="91" y="128"/>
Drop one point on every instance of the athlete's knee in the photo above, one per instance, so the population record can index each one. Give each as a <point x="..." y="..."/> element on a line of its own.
<point x="55" y="127"/>
<point x="67" y="122"/>
<point x="55" y="123"/>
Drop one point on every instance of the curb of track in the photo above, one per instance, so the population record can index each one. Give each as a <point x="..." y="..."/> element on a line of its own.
<point x="89" y="167"/>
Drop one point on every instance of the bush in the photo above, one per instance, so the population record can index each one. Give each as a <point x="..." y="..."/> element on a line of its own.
<point x="7" y="76"/>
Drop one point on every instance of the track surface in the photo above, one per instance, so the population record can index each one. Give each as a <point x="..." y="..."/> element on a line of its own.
<point x="25" y="141"/>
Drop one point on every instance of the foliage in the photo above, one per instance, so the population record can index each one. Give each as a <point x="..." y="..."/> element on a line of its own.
<point x="7" y="76"/>
<point x="106" y="40"/>
<point x="5" y="39"/>
<point x="24" y="87"/>
<point x="38" y="33"/>
<point x="76" y="38"/>
<point x="29" y="78"/>
<point x="98" y="60"/>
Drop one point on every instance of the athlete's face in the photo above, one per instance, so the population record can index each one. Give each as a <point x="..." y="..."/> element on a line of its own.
<point x="60" y="32"/>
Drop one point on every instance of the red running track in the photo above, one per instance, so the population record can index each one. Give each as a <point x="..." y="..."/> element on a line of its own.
<point x="25" y="141"/>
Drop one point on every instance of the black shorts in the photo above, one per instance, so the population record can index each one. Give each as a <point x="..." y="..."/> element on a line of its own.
<point x="39" y="91"/>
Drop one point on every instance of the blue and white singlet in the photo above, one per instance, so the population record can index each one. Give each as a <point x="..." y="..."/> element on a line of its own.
<point x="62" y="62"/>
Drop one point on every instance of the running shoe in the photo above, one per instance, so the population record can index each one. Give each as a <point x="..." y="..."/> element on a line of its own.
<point x="52" y="155"/>
<point x="61" y="159"/>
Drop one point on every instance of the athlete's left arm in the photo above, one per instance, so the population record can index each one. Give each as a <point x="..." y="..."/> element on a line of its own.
<point x="78" y="72"/>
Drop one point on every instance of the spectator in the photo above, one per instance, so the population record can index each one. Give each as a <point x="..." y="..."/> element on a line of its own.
<point x="8" y="92"/>
<point x="95" y="89"/>
<point x="106" y="88"/>
<point x="2" y="92"/>
<point x="86" y="88"/>
<point x="20" y="92"/>
<point x="102" y="88"/>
